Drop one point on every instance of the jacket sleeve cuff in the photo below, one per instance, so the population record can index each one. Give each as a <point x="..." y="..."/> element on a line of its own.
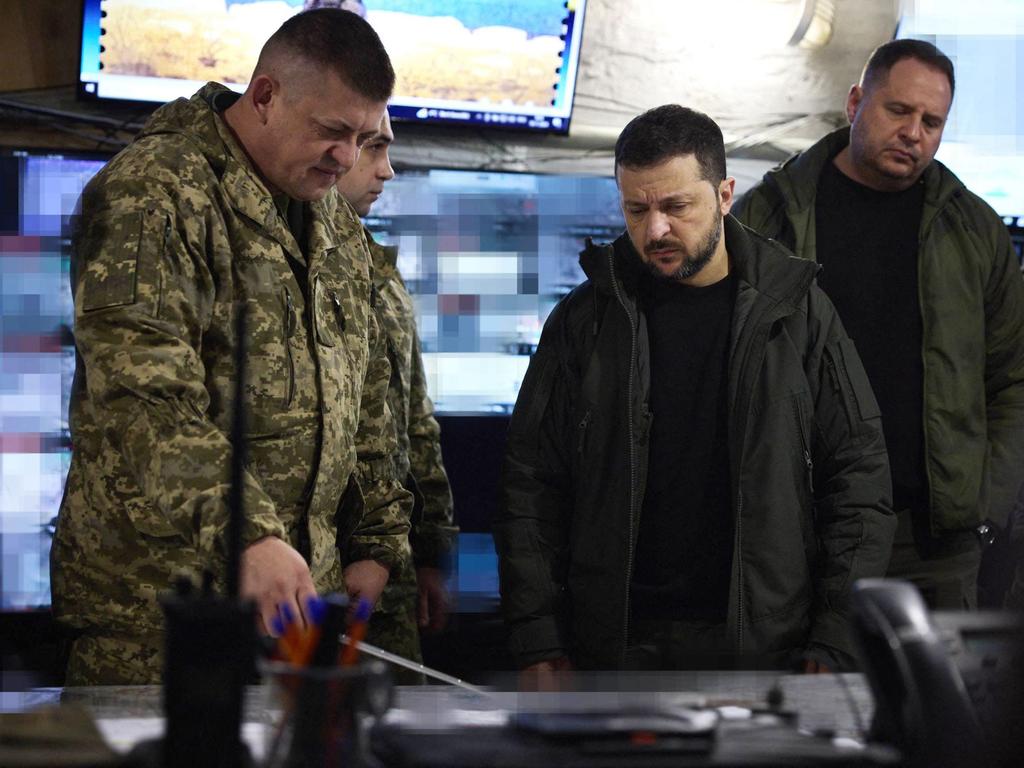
<point x="260" y="521"/>
<point x="832" y="630"/>
<point x="537" y="640"/>
<point x="835" y="659"/>
<point x="389" y="551"/>
<point x="431" y="546"/>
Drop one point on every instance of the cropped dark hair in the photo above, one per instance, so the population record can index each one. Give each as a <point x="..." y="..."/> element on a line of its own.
<point x="338" y="41"/>
<point x="885" y="57"/>
<point x="669" y="131"/>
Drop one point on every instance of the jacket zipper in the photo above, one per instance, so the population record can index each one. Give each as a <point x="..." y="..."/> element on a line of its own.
<point x="805" y="445"/>
<point x="738" y="545"/>
<point x="926" y="451"/>
<point x="739" y="569"/>
<point x="583" y="433"/>
<point x="339" y="313"/>
<point x="833" y="373"/>
<point x="632" y="446"/>
<point x="289" y="331"/>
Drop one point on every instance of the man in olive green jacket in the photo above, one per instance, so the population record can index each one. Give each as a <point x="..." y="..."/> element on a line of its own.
<point x="415" y="595"/>
<point x="224" y="200"/>
<point x="925" y="279"/>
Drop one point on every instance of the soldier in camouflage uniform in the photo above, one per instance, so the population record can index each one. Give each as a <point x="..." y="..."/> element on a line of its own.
<point x="415" y="595"/>
<point x="222" y="200"/>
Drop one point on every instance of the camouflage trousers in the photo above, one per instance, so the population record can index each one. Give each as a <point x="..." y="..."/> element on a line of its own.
<point x="106" y="660"/>
<point x="393" y="623"/>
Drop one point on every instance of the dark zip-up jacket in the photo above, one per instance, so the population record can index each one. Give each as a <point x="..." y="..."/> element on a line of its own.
<point x="810" y="475"/>
<point x="972" y="312"/>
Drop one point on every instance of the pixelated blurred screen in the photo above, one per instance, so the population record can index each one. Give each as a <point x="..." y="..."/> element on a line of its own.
<point x="456" y="61"/>
<point x="37" y="196"/>
<point x="983" y="140"/>
<point x="486" y="255"/>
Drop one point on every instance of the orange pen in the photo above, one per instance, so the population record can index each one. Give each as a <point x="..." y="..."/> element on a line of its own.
<point x="356" y="632"/>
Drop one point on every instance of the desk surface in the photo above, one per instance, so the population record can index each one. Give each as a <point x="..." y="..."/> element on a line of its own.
<point x="832" y="704"/>
<point x="840" y="703"/>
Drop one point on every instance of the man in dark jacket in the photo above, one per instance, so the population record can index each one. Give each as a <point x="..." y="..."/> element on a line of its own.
<point x="924" y="277"/>
<point x="695" y="461"/>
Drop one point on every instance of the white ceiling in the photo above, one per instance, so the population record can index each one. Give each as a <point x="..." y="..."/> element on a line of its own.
<point x="728" y="58"/>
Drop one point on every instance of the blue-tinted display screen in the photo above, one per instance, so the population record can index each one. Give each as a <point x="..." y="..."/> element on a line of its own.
<point x="36" y="363"/>
<point x="983" y="140"/>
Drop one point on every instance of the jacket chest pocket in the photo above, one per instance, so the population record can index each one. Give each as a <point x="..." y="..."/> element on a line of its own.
<point x="849" y="381"/>
<point x="329" y="313"/>
<point x="340" y="320"/>
<point x="340" y="308"/>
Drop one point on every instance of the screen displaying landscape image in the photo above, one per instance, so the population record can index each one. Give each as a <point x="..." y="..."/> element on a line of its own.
<point x="473" y="55"/>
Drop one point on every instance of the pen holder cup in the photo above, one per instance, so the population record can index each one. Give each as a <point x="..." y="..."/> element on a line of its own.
<point x="320" y="717"/>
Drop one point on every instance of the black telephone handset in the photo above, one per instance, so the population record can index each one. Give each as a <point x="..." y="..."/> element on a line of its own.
<point x="921" y="703"/>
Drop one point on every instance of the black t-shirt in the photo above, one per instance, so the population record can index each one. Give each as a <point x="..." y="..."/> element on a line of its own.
<point x="295" y="213"/>
<point x="684" y="548"/>
<point x="867" y="246"/>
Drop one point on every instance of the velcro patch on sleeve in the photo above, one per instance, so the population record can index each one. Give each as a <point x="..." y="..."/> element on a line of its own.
<point x="113" y="250"/>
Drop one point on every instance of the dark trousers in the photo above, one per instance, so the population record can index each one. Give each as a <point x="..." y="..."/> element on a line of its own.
<point x="668" y="644"/>
<point x="944" y="571"/>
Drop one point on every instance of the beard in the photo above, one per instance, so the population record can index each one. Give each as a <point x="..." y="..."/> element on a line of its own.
<point x="692" y="263"/>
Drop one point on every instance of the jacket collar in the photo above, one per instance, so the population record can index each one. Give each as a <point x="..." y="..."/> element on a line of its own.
<point x="197" y="121"/>
<point x="797" y="178"/>
<point x="766" y="266"/>
<point x="605" y="263"/>
<point x="384" y="259"/>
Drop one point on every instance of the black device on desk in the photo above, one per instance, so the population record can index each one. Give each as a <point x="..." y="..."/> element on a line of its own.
<point x="210" y="639"/>
<point x="947" y="691"/>
<point x="612" y="721"/>
<point x="629" y="732"/>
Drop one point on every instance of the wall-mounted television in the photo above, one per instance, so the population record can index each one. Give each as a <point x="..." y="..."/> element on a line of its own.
<point x="486" y="256"/>
<point x="478" y="62"/>
<point x="38" y="193"/>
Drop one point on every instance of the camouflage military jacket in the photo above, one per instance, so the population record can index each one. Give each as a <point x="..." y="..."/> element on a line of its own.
<point x="174" y="233"/>
<point x="418" y="434"/>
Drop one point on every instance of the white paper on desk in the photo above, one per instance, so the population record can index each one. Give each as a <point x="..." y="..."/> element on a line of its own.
<point x="124" y="733"/>
<point x="440" y="718"/>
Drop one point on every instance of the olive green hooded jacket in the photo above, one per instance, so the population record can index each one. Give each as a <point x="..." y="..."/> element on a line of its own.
<point x="972" y="306"/>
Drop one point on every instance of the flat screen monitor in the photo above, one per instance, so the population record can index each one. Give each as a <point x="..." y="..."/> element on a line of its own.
<point x="983" y="140"/>
<point x="489" y="63"/>
<point x="487" y="255"/>
<point x="38" y="194"/>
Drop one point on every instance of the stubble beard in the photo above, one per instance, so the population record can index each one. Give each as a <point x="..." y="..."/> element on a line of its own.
<point x="694" y="263"/>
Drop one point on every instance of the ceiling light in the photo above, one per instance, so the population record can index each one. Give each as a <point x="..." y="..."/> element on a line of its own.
<point x="814" y="29"/>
